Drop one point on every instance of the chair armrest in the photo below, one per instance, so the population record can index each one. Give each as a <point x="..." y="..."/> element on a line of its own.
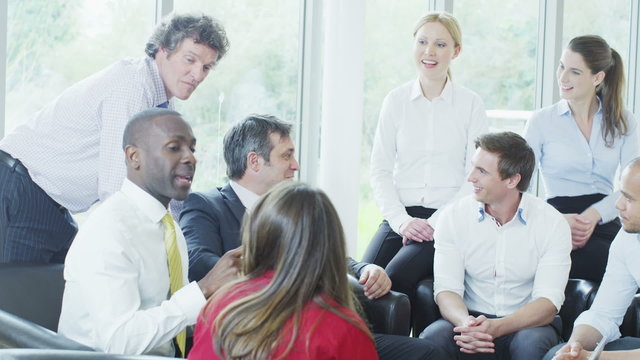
<point x="426" y="311"/>
<point x="48" y="354"/>
<point x="578" y="297"/>
<point x="16" y="332"/>
<point x="389" y="314"/>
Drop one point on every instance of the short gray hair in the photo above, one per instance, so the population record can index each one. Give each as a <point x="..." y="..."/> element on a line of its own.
<point x="251" y="135"/>
<point x="202" y="29"/>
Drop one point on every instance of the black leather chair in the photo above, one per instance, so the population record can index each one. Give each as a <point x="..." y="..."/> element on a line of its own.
<point x="16" y="332"/>
<point x="30" y="305"/>
<point x="426" y="311"/>
<point x="389" y="314"/>
<point x="40" y="354"/>
<point x="578" y="297"/>
<point x="33" y="292"/>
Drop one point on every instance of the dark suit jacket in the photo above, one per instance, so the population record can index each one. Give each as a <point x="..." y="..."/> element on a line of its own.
<point x="211" y="223"/>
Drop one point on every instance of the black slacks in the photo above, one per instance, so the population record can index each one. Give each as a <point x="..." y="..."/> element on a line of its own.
<point x="590" y="261"/>
<point x="405" y="265"/>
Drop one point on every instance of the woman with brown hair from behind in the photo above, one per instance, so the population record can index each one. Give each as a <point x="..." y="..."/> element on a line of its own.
<point x="293" y="300"/>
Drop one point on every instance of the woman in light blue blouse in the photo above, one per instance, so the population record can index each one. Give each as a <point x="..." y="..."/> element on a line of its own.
<point x="579" y="144"/>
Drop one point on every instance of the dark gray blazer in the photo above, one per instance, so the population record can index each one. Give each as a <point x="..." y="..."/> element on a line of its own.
<point x="211" y="223"/>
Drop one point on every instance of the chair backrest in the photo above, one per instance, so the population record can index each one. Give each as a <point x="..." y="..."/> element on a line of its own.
<point x="426" y="310"/>
<point x="578" y="296"/>
<point x="631" y="322"/>
<point x="33" y="292"/>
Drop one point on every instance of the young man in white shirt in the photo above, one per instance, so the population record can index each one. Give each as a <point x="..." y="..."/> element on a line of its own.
<point x="501" y="262"/>
<point x="126" y="288"/>
<point x="619" y="285"/>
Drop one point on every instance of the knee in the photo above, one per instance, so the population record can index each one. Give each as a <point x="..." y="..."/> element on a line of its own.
<point x="552" y="352"/>
<point x="533" y="343"/>
<point x="440" y="336"/>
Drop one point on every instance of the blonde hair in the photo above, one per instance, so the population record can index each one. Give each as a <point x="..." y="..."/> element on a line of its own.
<point x="295" y="231"/>
<point x="448" y="21"/>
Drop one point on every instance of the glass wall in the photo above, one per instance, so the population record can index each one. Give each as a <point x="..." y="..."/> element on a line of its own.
<point x="388" y="64"/>
<point x="498" y="58"/>
<point x="587" y="17"/>
<point x="258" y="75"/>
<point x="52" y="44"/>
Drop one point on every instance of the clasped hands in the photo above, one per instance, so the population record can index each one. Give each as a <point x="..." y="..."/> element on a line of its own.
<point x="582" y="226"/>
<point x="416" y="229"/>
<point x="476" y="335"/>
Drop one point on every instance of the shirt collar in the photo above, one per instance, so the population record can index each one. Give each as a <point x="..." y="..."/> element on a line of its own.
<point x="149" y="205"/>
<point x="564" y="109"/>
<point x="446" y="94"/>
<point x="521" y="213"/>
<point x="247" y="197"/>
<point x="160" y="91"/>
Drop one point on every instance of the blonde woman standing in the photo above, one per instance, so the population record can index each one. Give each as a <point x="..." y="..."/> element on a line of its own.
<point x="421" y="153"/>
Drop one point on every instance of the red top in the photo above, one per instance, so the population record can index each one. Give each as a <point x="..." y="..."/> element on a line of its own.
<point x="332" y="337"/>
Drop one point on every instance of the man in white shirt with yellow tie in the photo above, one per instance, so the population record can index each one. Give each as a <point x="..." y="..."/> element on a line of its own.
<point x="502" y="260"/>
<point x="126" y="273"/>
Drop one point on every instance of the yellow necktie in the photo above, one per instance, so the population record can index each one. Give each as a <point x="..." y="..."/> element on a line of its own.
<point x="175" y="269"/>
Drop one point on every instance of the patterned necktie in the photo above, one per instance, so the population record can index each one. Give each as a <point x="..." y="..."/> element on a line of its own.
<point x="175" y="269"/>
<point x="164" y="105"/>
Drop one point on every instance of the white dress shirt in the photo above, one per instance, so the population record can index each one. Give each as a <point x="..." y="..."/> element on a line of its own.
<point x="619" y="286"/>
<point x="116" y="297"/>
<point x="572" y="166"/>
<point x="499" y="269"/>
<point x="247" y="197"/>
<point x="422" y="149"/>
<point x="73" y="146"/>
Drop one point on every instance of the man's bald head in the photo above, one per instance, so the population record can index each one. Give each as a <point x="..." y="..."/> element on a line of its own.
<point x="138" y="126"/>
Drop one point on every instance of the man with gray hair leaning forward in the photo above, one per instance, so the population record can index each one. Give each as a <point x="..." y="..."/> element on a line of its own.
<point x="68" y="156"/>
<point x="501" y="261"/>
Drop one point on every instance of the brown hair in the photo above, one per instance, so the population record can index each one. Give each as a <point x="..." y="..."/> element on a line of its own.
<point x="515" y="155"/>
<point x="600" y="57"/>
<point x="295" y="231"/>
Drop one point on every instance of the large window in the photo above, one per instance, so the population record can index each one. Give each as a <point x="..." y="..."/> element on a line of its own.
<point x="587" y="17"/>
<point x="388" y="64"/>
<point x="52" y="44"/>
<point x="498" y="58"/>
<point x="258" y="75"/>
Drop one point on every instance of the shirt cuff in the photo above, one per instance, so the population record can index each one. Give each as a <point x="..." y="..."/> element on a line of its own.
<point x="190" y="300"/>
<point x="396" y="221"/>
<point x="606" y="208"/>
<point x="607" y="328"/>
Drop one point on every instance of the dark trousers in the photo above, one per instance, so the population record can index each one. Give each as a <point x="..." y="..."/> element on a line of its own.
<point x="394" y="347"/>
<point x="405" y="265"/>
<point x="526" y="344"/>
<point x="625" y="343"/>
<point x="33" y="227"/>
<point x="590" y="261"/>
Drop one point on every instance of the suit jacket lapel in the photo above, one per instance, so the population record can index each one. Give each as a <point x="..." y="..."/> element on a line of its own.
<point x="233" y="202"/>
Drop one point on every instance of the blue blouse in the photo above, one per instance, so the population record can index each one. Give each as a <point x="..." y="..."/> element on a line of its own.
<point x="571" y="166"/>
